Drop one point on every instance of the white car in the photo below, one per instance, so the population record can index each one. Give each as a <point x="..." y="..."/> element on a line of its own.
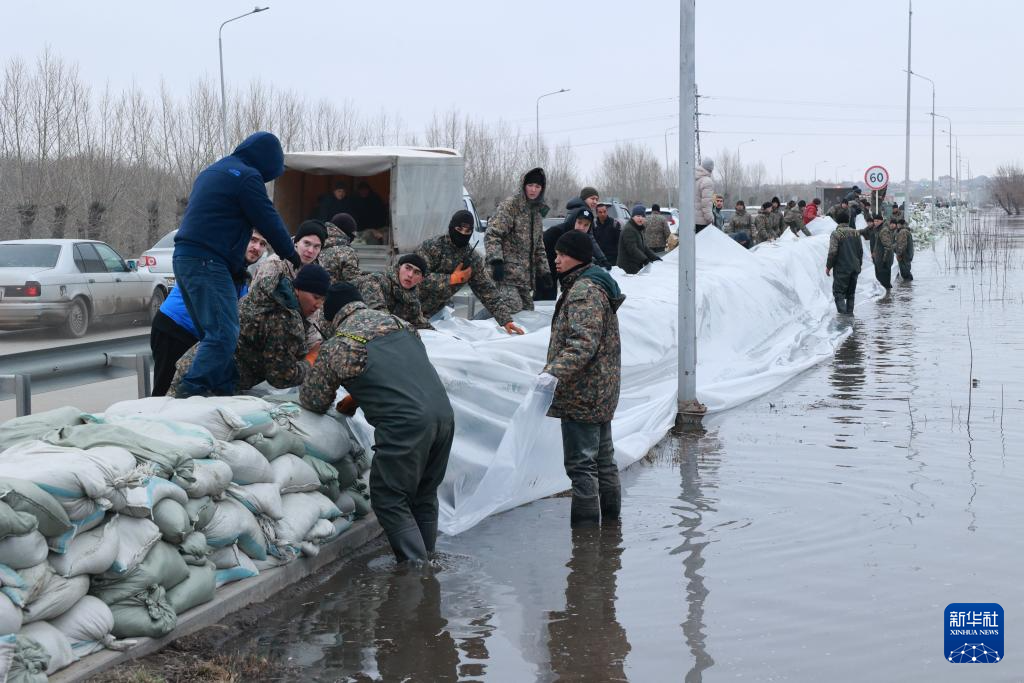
<point x="157" y="259"/>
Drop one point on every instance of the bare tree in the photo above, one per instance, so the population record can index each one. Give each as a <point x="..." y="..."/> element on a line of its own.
<point x="631" y="173"/>
<point x="1006" y="188"/>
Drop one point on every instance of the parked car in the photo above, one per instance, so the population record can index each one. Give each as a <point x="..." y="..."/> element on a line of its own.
<point x="69" y="283"/>
<point x="157" y="259"/>
<point x="617" y="210"/>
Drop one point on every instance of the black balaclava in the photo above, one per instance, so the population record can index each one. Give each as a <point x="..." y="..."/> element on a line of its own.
<point x="461" y="217"/>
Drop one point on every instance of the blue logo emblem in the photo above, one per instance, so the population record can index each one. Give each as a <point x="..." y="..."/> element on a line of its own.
<point x="974" y="632"/>
<point x="235" y="172"/>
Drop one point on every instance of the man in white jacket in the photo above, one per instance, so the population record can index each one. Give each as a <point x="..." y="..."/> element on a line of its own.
<point x="703" y="194"/>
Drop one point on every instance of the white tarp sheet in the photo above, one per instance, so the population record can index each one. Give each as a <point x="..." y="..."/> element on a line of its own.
<point x="763" y="316"/>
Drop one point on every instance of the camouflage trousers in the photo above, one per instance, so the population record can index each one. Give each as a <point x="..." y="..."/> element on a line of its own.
<point x="516" y="298"/>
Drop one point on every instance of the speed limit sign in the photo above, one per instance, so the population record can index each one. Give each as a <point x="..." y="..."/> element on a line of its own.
<point x="876" y="177"/>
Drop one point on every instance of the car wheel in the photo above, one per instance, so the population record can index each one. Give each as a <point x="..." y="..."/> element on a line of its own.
<point x="77" y="322"/>
<point x="156" y="302"/>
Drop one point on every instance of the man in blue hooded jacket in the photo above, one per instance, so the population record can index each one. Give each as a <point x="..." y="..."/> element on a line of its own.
<point x="228" y="199"/>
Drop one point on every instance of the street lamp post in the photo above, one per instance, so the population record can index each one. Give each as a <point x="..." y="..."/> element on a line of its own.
<point x="838" y="169"/>
<point x="816" y="165"/>
<point x="914" y="73"/>
<point x="782" y="175"/>
<point x="547" y="94"/>
<point x="668" y="182"/>
<point x="223" y="92"/>
<point x="950" y="131"/>
<point x="745" y="142"/>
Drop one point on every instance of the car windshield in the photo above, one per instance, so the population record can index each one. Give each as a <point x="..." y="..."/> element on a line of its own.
<point x="29" y="255"/>
<point x="167" y="241"/>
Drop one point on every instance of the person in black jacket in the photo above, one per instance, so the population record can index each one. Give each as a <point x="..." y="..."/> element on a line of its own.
<point x="606" y="231"/>
<point x="334" y="203"/>
<point x="845" y="256"/>
<point x="634" y="253"/>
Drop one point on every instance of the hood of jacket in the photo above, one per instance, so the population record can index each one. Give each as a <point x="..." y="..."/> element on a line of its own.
<point x="602" y="278"/>
<point x="701" y="172"/>
<point x="263" y="152"/>
<point x="544" y="188"/>
<point x="741" y="212"/>
<point x="274" y="292"/>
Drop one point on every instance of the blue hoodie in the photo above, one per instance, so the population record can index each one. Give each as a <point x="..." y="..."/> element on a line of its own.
<point x="229" y="199"/>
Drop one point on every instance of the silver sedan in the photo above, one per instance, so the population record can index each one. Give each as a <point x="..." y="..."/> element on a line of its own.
<point x="69" y="283"/>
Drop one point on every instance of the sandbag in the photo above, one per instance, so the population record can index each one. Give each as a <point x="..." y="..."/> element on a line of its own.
<point x="324" y="437"/>
<point x="172" y="519"/>
<point x="161" y="458"/>
<point x="345" y="503"/>
<point x="194" y="549"/>
<point x="200" y="511"/>
<point x="226" y="417"/>
<point x="27" y="550"/>
<point x="294" y="475"/>
<point x="361" y="498"/>
<point x="12" y="584"/>
<point x="29" y="662"/>
<point x="259" y="499"/>
<point x="8" y="644"/>
<point x="79" y="479"/>
<point x="198" y="588"/>
<point x="87" y="625"/>
<point x="91" y="552"/>
<point x="248" y="465"/>
<point x="24" y="496"/>
<point x="14" y="523"/>
<point x="327" y="474"/>
<point x="11" y="616"/>
<point x="233" y="523"/>
<point x="144" y="614"/>
<point x="31" y="427"/>
<point x="211" y="478"/>
<point x="56" y="644"/>
<point x="243" y="570"/>
<point x="321" y="532"/>
<point x="227" y="557"/>
<point x="141" y="501"/>
<point x="348" y="472"/>
<point x="301" y="512"/>
<point x="341" y="525"/>
<point x="194" y="440"/>
<point x="137" y="537"/>
<point x="53" y="595"/>
<point x="277" y="445"/>
<point x="163" y="566"/>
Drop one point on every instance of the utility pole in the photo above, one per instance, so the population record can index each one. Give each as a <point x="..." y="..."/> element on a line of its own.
<point x="910" y="21"/>
<point x="687" y="404"/>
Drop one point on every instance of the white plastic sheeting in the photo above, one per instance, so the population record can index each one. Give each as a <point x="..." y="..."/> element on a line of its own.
<point x="763" y="316"/>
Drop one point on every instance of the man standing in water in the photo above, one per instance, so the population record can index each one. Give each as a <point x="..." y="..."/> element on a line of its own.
<point x="845" y="255"/>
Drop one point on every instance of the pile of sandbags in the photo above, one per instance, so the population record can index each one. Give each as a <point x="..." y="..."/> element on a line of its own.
<point x="112" y="525"/>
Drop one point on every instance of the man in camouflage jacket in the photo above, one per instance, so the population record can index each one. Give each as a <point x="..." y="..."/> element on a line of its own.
<point x="762" y="225"/>
<point x="584" y="365"/>
<point x="514" y="244"/>
<point x="272" y="338"/>
<point x="776" y="226"/>
<point x="656" y="230"/>
<point x="741" y="221"/>
<point x="387" y="292"/>
<point x="381" y="362"/>
<point x="338" y="258"/>
<point x="794" y="219"/>
<point x="845" y="256"/>
<point x="880" y="242"/>
<point x="453" y="262"/>
<point x="903" y="247"/>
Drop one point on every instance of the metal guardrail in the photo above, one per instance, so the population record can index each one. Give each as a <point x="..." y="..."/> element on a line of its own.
<point x="62" y="367"/>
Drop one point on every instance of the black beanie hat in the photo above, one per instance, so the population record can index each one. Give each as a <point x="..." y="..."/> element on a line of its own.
<point x="535" y="176"/>
<point x="346" y="223"/>
<point x="415" y="260"/>
<point x="313" y="279"/>
<point x="312" y="227"/>
<point x="585" y="215"/>
<point x="577" y="245"/>
<point x="589" y="192"/>
<point x="461" y="217"/>
<point x="339" y="295"/>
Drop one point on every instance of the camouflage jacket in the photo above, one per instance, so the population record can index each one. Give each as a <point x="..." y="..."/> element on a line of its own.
<point x="584" y="352"/>
<point x="442" y="257"/>
<point x="762" y="229"/>
<point x="656" y="231"/>
<point x="274" y="268"/>
<point x="383" y="292"/>
<point x="271" y="338"/>
<point x="903" y="244"/>
<point x="338" y="258"/>
<point x="741" y="221"/>
<point x="515" y="235"/>
<point x="793" y="218"/>
<point x="834" y="211"/>
<point x="343" y="358"/>
<point x="775" y="224"/>
<point x="845" y="251"/>
<point x="881" y="241"/>
<point x="336" y="237"/>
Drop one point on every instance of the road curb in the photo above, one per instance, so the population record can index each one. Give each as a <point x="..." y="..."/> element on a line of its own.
<point x="228" y="600"/>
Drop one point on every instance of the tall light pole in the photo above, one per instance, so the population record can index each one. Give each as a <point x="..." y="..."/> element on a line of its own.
<point x="782" y="175"/>
<point x="668" y="182"/>
<point x="838" y="169"/>
<point x="910" y="21"/>
<point x="223" y="93"/>
<point x="950" y="131"/>
<point x="914" y="73"/>
<point x="686" y="397"/>
<point x="816" y="165"/>
<point x="745" y="142"/>
<point x="547" y="94"/>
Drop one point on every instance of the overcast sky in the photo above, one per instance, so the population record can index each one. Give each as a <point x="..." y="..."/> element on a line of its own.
<point x="822" y="78"/>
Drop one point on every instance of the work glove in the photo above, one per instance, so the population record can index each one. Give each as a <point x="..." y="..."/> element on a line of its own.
<point x="545" y="281"/>
<point x="498" y="270"/>
<point x="312" y="355"/>
<point x="545" y="382"/>
<point x="512" y="328"/>
<point x="347" y="406"/>
<point x="460" y="276"/>
<point x="294" y="260"/>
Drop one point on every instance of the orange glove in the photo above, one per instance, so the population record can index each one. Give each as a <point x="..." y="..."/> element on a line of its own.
<point x="512" y="328"/>
<point x="461" y="275"/>
<point x="313" y="355"/>
<point x="347" y="406"/>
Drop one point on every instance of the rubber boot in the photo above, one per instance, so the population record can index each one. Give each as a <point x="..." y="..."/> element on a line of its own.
<point x="849" y="305"/>
<point x="585" y="511"/>
<point x="407" y="544"/>
<point x="840" y="304"/>
<point x="428" y="530"/>
<point x="611" y="503"/>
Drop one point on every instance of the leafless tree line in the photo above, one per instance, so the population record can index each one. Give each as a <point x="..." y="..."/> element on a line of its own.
<point x="1006" y="188"/>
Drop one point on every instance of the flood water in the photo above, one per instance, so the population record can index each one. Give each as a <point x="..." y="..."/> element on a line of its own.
<point x="814" y="534"/>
